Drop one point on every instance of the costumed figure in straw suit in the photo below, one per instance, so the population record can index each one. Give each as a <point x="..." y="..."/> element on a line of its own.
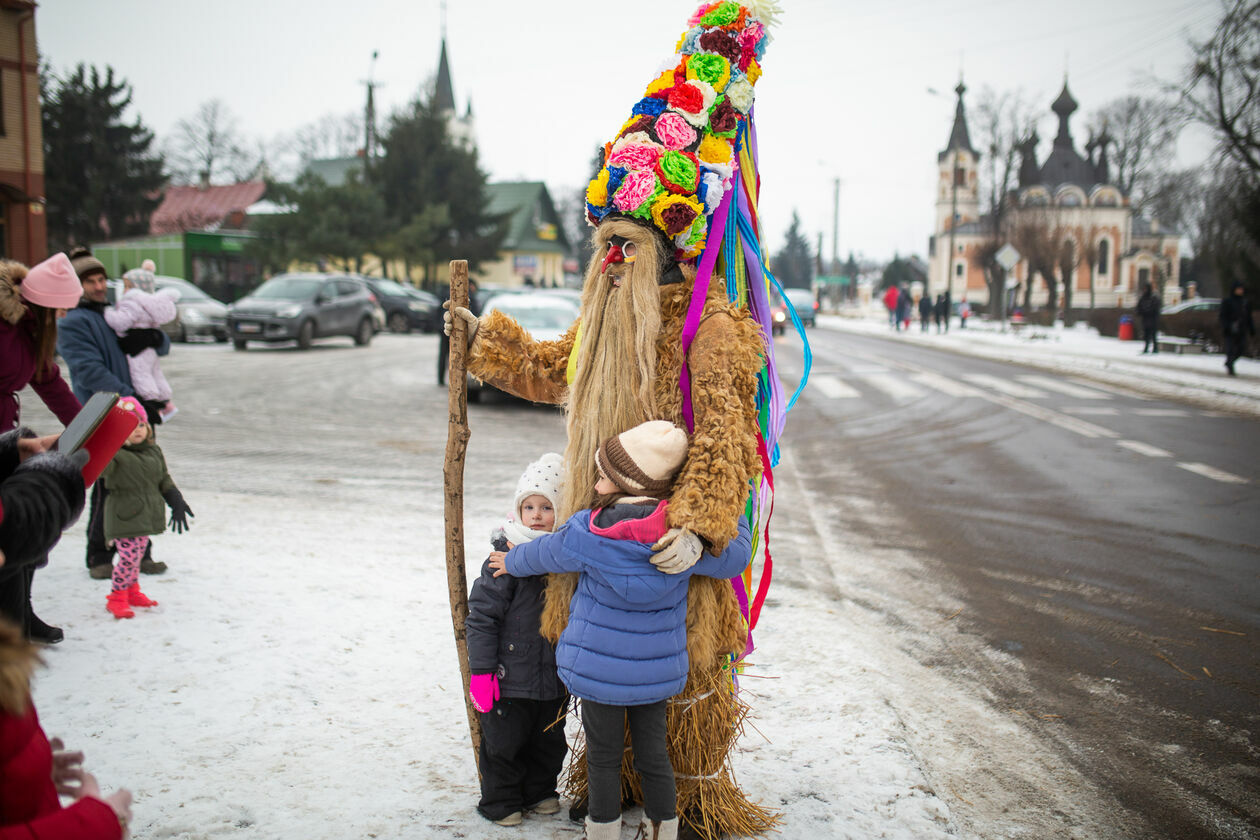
<point x="674" y="325"/>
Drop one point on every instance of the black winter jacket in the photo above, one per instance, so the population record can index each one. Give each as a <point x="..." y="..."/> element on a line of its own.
<point x="1235" y="315"/>
<point x="39" y="499"/>
<point x="1148" y="307"/>
<point x="504" y="615"/>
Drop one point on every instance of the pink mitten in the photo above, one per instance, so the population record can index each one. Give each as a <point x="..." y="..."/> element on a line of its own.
<point x="484" y="690"/>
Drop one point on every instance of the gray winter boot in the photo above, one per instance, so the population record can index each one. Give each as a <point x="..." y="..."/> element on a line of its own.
<point x="603" y="831"/>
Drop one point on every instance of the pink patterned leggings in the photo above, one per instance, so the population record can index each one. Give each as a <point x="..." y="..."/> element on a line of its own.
<point x="127" y="565"/>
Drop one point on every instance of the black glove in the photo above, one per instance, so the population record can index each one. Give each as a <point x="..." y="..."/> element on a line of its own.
<point x="180" y="511"/>
<point x="153" y="408"/>
<point x="135" y="341"/>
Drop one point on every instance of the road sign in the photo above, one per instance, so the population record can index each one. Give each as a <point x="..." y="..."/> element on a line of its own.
<point x="1007" y="256"/>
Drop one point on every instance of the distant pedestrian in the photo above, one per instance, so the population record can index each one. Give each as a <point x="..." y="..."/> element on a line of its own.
<point x="514" y="683"/>
<point x="925" y="312"/>
<point x="140" y="488"/>
<point x="1148" y="308"/>
<point x="946" y="307"/>
<point x="905" y="309"/>
<point x="890" y="303"/>
<point x="964" y="312"/>
<point x="938" y="311"/>
<point x="1236" y="325"/>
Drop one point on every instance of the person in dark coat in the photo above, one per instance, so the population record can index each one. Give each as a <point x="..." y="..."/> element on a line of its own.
<point x="925" y="312"/>
<point x="1236" y="325"/>
<point x="41" y="494"/>
<point x="29" y="303"/>
<point x="97" y="359"/>
<point x="514" y="684"/>
<point x="1148" y="308"/>
<point x="944" y="308"/>
<point x="624" y="650"/>
<point x="905" y="308"/>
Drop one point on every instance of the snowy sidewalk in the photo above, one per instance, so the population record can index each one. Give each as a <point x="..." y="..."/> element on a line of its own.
<point x="1193" y="377"/>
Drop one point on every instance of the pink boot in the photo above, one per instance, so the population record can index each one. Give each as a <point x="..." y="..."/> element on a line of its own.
<point x="137" y="598"/>
<point x="117" y="604"/>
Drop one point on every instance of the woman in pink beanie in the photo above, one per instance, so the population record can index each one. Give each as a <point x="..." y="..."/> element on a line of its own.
<point x="30" y="303"/>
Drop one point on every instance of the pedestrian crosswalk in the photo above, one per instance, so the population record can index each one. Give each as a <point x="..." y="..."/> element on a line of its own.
<point x="868" y="382"/>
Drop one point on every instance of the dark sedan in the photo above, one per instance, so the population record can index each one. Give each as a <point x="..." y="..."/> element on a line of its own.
<point x="303" y="307"/>
<point x="406" y="308"/>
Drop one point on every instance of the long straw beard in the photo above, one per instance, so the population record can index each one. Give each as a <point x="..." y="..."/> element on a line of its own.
<point x="612" y="388"/>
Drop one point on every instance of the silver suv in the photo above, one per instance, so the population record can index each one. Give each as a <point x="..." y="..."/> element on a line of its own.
<point x="304" y="307"/>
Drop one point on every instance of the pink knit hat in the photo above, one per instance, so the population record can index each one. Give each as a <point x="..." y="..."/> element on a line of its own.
<point x="53" y="283"/>
<point x="133" y="406"/>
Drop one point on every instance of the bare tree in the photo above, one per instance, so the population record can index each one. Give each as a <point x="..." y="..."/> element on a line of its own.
<point x="208" y="146"/>
<point x="1223" y="90"/>
<point x="1002" y="122"/>
<point x="1067" y="274"/>
<point x="1039" y="240"/>
<point x="1090" y="248"/>
<point x="1144" y="132"/>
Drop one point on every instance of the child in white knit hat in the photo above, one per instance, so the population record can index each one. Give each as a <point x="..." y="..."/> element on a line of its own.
<point x="514" y="684"/>
<point x="144" y="307"/>
<point x="624" y="650"/>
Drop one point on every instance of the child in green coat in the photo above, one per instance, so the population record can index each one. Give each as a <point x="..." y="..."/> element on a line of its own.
<point x="135" y="509"/>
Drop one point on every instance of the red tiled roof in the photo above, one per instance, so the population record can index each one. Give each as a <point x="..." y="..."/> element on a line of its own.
<point x="197" y="208"/>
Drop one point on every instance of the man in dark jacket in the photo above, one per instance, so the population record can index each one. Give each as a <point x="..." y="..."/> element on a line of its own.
<point x="925" y="313"/>
<point x="1236" y="325"/>
<point x="1148" y="307"/>
<point x="97" y="360"/>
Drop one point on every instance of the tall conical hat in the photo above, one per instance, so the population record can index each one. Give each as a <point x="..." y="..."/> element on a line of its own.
<point x="673" y="159"/>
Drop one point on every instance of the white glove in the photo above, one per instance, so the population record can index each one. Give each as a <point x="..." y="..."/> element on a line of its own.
<point x="677" y="551"/>
<point x="462" y="312"/>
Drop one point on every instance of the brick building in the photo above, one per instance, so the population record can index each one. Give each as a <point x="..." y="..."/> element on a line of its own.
<point x="23" y="226"/>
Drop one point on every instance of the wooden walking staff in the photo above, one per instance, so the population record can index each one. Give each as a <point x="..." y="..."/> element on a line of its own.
<point x="457" y="435"/>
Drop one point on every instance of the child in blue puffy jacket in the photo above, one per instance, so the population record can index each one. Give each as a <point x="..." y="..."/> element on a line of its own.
<point x="624" y="650"/>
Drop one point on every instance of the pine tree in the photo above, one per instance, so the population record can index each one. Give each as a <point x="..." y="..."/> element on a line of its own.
<point x="101" y="175"/>
<point x="793" y="266"/>
<point x="434" y="194"/>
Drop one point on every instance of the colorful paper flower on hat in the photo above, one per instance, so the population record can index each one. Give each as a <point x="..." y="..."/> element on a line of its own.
<point x="674" y="132"/>
<point x="710" y="68"/>
<point x="636" y="188"/>
<point x="693" y="99"/>
<point x="673" y="161"/>
<point x="678" y="172"/>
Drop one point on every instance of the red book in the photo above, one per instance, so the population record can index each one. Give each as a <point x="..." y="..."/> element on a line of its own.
<point x="100" y="428"/>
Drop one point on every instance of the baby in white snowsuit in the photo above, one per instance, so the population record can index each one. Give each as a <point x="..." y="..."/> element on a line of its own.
<point x="140" y="307"/>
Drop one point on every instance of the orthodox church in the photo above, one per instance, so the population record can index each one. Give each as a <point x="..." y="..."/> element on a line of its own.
<point x="1067" y="197"/>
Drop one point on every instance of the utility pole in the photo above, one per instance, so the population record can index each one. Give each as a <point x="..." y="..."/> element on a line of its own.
<point x="835" y="233"/>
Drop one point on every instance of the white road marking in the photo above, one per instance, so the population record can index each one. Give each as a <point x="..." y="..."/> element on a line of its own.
<point x="944" y="384"/>
<point x="1110" y="389"/>
<point x="1004" y="386"/>
<point x="1063" y="421"/>
<point x="833" y="388"/>
<point x="1144" y="449"/>
<point x="894" y="385"/>
<point x="1161" y="412"/>
<point x="1052" y="384"/>
<point x="1098" y="410"/>
<point x="1212" y="473"/>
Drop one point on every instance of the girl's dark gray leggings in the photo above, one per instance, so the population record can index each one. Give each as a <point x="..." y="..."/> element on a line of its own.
<point x="605" y="728"/>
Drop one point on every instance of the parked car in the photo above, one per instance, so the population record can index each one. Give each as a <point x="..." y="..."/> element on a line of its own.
<point x="303" y="307"/>
<point x="802" y="300"/>
<point x="406" y="308"/>
<point x="199" y="315"/>
<point x="545" y="317"/>
<point x="1199" y="304"/>
<point x="1197" y="319"/>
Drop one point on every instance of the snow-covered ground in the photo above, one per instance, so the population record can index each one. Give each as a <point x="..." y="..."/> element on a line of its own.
<point x="299" y="678"/>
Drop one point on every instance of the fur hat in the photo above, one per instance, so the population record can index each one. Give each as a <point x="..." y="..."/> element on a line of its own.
<point x="53" y="284"/>
<point x="673" y="160"/>
<point x="84" y="263"/>
<point x="132" y="405"/>
<point x="544" y="477"/>
<point x="643" y="461"/>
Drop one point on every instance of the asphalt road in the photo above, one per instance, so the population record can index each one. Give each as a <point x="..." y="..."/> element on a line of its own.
<point x="1105" y="544"/>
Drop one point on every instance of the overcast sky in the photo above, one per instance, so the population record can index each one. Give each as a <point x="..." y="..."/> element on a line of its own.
<point x="845" y="92"/>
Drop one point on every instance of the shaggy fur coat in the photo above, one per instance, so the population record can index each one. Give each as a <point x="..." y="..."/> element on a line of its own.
<point x="711" y="490"/>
